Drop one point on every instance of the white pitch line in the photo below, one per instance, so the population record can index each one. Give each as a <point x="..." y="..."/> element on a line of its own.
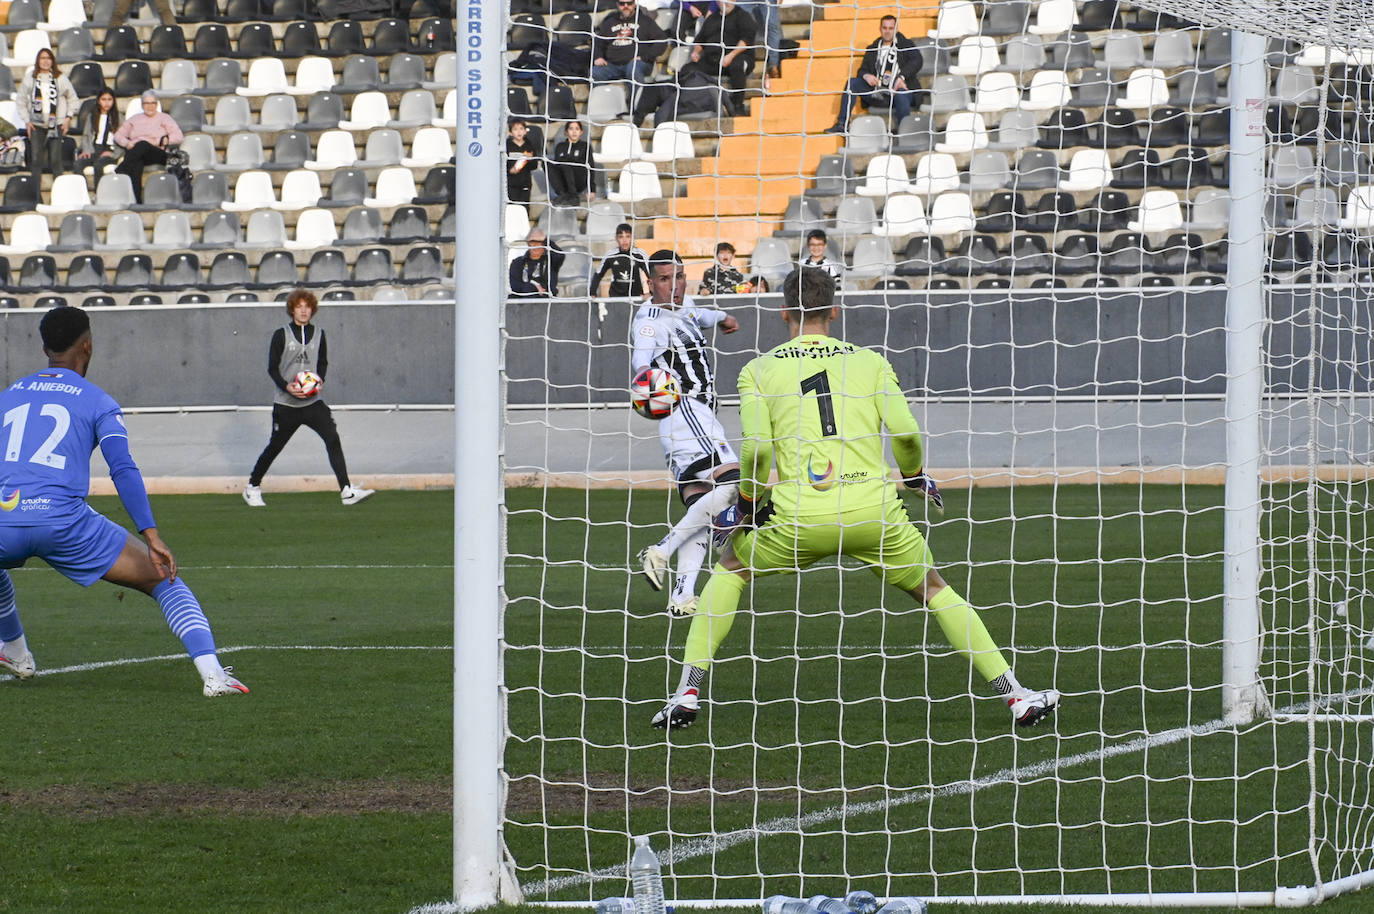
<point x="131" y="661"/>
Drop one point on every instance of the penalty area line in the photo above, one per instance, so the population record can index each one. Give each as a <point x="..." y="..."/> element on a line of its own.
<point x="235" y="649"/>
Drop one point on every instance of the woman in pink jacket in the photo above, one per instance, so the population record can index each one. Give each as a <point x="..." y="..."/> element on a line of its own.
<point x="145" y="138"/>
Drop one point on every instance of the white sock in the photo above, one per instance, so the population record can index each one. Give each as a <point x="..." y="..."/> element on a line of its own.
<point x="690" y="557"/>
<point x="17" y="648"/>
<point x="702" y="512"/>
<point x="207" y="665"/>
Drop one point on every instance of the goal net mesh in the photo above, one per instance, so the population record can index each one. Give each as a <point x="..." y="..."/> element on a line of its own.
<point x="1040" y="250"/>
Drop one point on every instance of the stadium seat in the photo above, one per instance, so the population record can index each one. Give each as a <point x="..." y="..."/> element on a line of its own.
<point x="914" y="133"/>
<point x="1093" y="88"/>
<point x="161" y="190"/>
<point x="221" y="230"/>
<point x="1359" y="210"/>
<point x="383" y="148"/>
<point x="1345" y="166"/>
<point x="396" y="187"/>
<point x="1160" y="211"/>
<point x="1211" y="210"/>
<point x="1089" y="169"/>
<point x="1168" y="126"/>
<point x="834" y="176"/>
<point x="38" y="271"/>
<point x="422" y="264"/>
<point x="313" y="74"/>
<point x="1036" y="169"/>
<point x="278" y="113"/>
<point x="445" y="73"/>
<point x="801" y="215"/>
<point x="416" y="109"/>
<point x="1193" y="90"/>
<point x="1099" y="16"/>
<point x="1077" y="254"/>
<point x="1128" y="254"/>
<point x="74" y="44"/>
<point x="334" y="150"/>
<point x="638" y="181"/>
<point x="181" y="271"/>
<point x="1023" y="54"/>
<point x="326" y="267"/>
<point x="872" y="259"/>
<point x="86" y="77"/>
<point x="974" y="256"/>
<point x="86" y="271"/>
<point x="253" y="190"/>
<point x="1110" y="211"/>
<point x="956" y="19"/>
<point x="606" y="103"/>
<point x="63" y="15"/>
<point x="1055" y="211"/>
<point x="300" y="189"/>
<point x="266" y="229"/>
<point x="1054" y="17"/>
<point x="672" y="140"/>
<point x="987" y="170"/>
<point x="430" y="146"/>
<point x="119" y="44"/>
<point x="1028" y="255"/>
<point x="951" y="213"/>
<point x="411" y="223"/>
<point x="291" y="151"/>
<point x="114" y="192"/>
<point x="449" y="116"/>
<point x="223" y="76"/>
<point x="211" y="41"/>
<point x="948" y="93"/>
<point x="965" y="131"/>
<point x="924" y="255"/>
<point x="854" y="218"/>
<point x="619" y="143"/>
<point x="1145" y="88"/>
<point x="1072" y="51"/>
<point x="68" y="193"/>
<point x="243" y="152"/>
<point x="276" y="269"/>
<point x="345" y="38"/>
<point x="360" y="74"/>
<point x="362" y="225"/>
<point x="77" y="233"/>
<point x="228" y="269"/>
<point x="1049" y="89"/>
<point x="935" y="172"/>
<point x="132" y="79"/>
<point x="26" y="46"/>
<point x="189" y="112"/>
<point x="314" y="229"/>
<point x="867" y="134"/>
<point x="1016" y="130"/>
<point x="300" y="40"/>
<point x="374" y="265"/>
<point x="1065" y="129"/>
<point x="903" y="214"/>
<point x="324" y="111"/>
<point x="28" y="233"/>
<point x="977" y="55"/>
<point x="1006" y="18"/>
<point x="265" y="76"/>
<point x="886" y="175"/>
<point x="406" y="71"/>
<point x="172" y="231"/>
<point x="347" y="187"/>
<point x="1181" y="252"/>
<point x="390" y="36"/>
<point x="1136" y="168"/>
<point x="996" y="92"/>
<point x="1123" y="51"/>
<point x="134" y="271"/>
<point x="771" y="259"/>
<point x="231" y="115"/>
<point x="1005" y="212"/>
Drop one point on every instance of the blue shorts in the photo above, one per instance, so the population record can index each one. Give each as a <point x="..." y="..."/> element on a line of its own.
<point x="83" y="549"/>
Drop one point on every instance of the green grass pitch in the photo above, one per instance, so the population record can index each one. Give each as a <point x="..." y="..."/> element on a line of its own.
<point x="328" y="788"/>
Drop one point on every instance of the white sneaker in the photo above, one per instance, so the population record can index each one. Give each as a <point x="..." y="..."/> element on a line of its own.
<point x="224" y="685"/>
<point x="1029" y="708"/>
<point x="684" y="606"/>
<point x="253" y="495"/>
<point x="18" y="667"/>
<point x="351" y="495"/>
<point x="654" y="562"/>
<point x="679" y="712"/>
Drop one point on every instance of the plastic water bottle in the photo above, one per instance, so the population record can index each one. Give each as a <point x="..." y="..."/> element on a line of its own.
<point x="861" y="902"/>
<point x="827" y="905"/>
<point x="903" y="905"/>
<point x="647" y="878"/>
<point x="615" y="906"/>
<point x="786" y="904"/>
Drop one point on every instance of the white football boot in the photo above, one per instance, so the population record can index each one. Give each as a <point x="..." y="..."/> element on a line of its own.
<point x="18" y="667"/>
<point x="654" y="562"/>
<point x="680" y="711"/>
<point x="253" y="495"/>
<point x="351" y="495"/>
<point x="1030" y="708"/>
<point x="216" y="686"/>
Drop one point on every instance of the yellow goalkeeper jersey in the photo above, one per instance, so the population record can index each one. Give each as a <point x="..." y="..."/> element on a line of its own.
<point x="816" y="407"/>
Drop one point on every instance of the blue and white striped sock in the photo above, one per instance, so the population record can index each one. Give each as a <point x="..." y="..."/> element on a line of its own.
<point x="10" y="629"/>
<point x="185" y="617"/>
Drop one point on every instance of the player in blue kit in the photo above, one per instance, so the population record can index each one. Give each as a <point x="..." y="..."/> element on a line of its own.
<point x="50" y="422"/>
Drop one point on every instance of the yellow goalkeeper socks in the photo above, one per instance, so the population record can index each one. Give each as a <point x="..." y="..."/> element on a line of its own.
<point x="965" y="630"/>
<point x="715" y="614"/>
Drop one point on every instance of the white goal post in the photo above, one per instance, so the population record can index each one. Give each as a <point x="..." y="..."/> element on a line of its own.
<point x="1158" y="500"/>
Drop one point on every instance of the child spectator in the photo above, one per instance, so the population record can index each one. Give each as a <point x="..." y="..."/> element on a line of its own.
<point x="628" y="267"/>
<point x="723" y="278"/>
<point x="570" y="168"/>
<point x="521" y="163"/>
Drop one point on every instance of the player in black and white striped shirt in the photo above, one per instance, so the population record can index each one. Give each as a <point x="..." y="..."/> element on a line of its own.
<point x="667" y="332"/>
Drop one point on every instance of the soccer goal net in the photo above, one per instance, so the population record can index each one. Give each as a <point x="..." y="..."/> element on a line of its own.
<point x="1120" y="261"/>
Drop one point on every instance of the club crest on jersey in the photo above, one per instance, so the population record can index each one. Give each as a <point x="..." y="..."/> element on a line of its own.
<point x="824" y="480"/>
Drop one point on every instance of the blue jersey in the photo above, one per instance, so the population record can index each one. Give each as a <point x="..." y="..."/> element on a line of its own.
<point x="50" y="423"/>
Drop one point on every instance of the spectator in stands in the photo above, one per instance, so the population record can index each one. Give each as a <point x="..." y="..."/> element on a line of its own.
<point x="522" y="161"/>
<point x="145" y="138"/>
<point x="628" y="267"/>
<point x="96" y="150"/>
<point x="534" y="274"/>
<point x="570" y="168"/>
<point x="48" y="103"/>
<point x="163" y="8"/>
<point x="769" y="20"/>
<point x="891" y="66"/>
<point x="626" y="44"/>
<point x="724" y="51"/>
<point x="816" y="242"/>
<point x="690" y="16"/>
<point x="723" y="278"/>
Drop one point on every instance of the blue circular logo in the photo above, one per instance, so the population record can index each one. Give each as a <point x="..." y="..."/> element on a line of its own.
<point x="474" y="149"/>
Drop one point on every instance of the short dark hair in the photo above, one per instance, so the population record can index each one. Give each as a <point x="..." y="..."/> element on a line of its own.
<point x="516" y="120"/>
<point x="624" y="227"/>
<point x="817" y="233"/>
<point x="808" y="292"/>
<point x="886" y="18"/>
<point x="62" y="327"/>
<point x="725" y="246"/>
<point x="663" y="257"/>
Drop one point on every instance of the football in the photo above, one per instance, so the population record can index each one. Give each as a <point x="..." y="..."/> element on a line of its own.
<point x="309" y="382"/>
<point x="654" y="393"/>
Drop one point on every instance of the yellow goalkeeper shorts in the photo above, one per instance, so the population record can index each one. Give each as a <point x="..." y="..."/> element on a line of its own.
<point x="882" y="536"/>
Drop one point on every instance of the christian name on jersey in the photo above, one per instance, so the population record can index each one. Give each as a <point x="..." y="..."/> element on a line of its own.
<point x="813" y="351"/>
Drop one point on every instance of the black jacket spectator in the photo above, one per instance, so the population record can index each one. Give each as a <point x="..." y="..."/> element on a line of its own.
<point x="570" y="170"/>
<point x="723" y="32"/>
<point x="626" y="269"/>
<point x="528" y="273"/>
<point x="619" y="40"/>
<point x="886" y="67"/>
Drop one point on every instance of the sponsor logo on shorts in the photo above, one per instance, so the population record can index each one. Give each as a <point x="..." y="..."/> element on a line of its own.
<point x="824" y="480"/>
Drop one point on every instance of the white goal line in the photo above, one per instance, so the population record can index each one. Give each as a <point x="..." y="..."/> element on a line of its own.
<point x="131" y="661"/>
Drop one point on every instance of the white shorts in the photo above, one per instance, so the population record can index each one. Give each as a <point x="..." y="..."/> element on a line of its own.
<point x="694" y="442"/>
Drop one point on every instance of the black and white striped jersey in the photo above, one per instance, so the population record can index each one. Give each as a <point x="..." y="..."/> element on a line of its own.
<point x="672" y="338"/>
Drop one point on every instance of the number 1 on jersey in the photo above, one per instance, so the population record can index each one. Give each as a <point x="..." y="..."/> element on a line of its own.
<point x="819" y="384"/>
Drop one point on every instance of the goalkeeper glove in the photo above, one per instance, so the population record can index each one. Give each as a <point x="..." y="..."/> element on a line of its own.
<point x="927" y="488"/>
<point x="739" y="516"/>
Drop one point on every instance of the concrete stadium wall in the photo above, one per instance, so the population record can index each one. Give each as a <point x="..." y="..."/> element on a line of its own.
<point x="216" y="355"/>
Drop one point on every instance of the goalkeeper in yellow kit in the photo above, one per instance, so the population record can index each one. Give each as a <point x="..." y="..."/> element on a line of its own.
<point x="815" y="408"/>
